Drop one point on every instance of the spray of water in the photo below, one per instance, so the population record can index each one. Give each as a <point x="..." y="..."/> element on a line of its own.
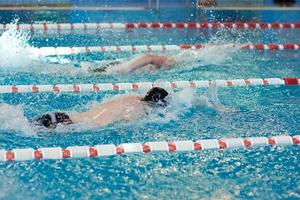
<point x="180" y="103"/>
<point x="18" y="55"/>
<point x="12" y="118"/>
<point x="221" y="49"/>
<point x="14" y="49"/>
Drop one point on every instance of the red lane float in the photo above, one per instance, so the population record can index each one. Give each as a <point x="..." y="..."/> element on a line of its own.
<point x="55" y="51"/>
<point x="58" y="27"/>
<point x="158" y="147"/>
<point x="76" y="88"/>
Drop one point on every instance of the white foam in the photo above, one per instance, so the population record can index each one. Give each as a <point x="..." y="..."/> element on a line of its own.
<point x="221" y="49"/>
<point x="17" y="55"/>
<point x="212" y="54"/>
<point x="179" y="104"/>
<point x="12" y="118"/>
<point x="14" y="49"/>
<point x="184" y="97"/>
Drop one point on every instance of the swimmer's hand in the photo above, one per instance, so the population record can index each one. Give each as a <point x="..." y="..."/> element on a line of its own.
<point x="219" y="107"/>
<point x="226" y="110"/>
<point x="169" y="62"/>
<point x="85" y="66"/>
<point x="206" y="102"/>
<point x="213" y="101"/>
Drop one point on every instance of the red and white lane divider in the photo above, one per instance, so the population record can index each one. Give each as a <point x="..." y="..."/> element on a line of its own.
<point x="145" y="85"/>
<point x="155" y="147"/>
<point x="58" y="27"/>
<point x="56" y="51"/>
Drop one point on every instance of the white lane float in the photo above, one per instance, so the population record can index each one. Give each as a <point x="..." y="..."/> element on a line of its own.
<point x="138" y="147"/>
<point x="73" y="27"/>
<point x="58" y="51"/>
<point x="99" y="87"/>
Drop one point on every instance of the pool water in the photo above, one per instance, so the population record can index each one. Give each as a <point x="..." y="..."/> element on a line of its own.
<point x="264" y="173"/>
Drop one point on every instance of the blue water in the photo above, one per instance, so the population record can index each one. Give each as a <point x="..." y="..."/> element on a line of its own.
<point x="265" y="173"/>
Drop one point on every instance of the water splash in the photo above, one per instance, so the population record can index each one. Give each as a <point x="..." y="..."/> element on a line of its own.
<point x="14" y="49"/>
<point x="220" y="49"/>
<point x="18" y="55"/>
<point x="210" y="55"/>
<point x="12" y="118"/>
<point x="180" y="103"/>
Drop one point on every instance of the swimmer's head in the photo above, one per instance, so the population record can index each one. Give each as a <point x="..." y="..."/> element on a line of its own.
<point x="51" y="120"/>
<point x="156" y="96"/>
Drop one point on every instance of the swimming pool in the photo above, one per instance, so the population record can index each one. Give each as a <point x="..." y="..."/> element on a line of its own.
<point x="262" y="173"/>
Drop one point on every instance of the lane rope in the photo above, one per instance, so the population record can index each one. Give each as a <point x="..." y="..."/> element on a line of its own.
<point x="76" y="88"/>
<point x="58" y="27"/>
<point x="56" y="51"/>
<point x="155" y="147"/>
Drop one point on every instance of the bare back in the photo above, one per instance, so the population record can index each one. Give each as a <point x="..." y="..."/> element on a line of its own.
<point x="126" y="108"/>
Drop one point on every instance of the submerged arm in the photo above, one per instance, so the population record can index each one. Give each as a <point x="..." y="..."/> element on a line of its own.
<point x="211" y="101"/>
<point x="214" y="100"/>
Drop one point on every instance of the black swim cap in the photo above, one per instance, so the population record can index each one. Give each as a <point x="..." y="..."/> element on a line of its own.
<point x="156" y="95"/>
<point x="52" y="119"/>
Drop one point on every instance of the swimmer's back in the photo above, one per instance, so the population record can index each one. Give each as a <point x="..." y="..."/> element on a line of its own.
<point x="121" y="109"/>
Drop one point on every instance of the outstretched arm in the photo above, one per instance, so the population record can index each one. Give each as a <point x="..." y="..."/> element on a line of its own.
<point x="211" y="101"/>
<point x="204" y="101"/>
<point x="141" y="61"/>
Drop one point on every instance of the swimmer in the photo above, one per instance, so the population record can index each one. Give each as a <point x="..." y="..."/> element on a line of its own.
<point x="126" y="108"/>
<point x="143" y="63"/>
<point x="146" y="63"/>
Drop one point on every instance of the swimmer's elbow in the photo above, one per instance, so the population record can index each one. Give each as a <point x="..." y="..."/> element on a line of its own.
<point x="219" y="107"/>
<point x="225" y="110"/>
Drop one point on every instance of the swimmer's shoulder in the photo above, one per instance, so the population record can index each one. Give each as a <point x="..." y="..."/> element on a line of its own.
<point x="124" y="99"/>
<point x="132" y="98"/>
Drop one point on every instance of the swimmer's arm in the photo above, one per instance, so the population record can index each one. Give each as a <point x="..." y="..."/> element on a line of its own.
<point x="142" y="61"/>
<point x="213" y="101"/>
<point x="205" y="102"/>
<point x="219" y="107"/>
